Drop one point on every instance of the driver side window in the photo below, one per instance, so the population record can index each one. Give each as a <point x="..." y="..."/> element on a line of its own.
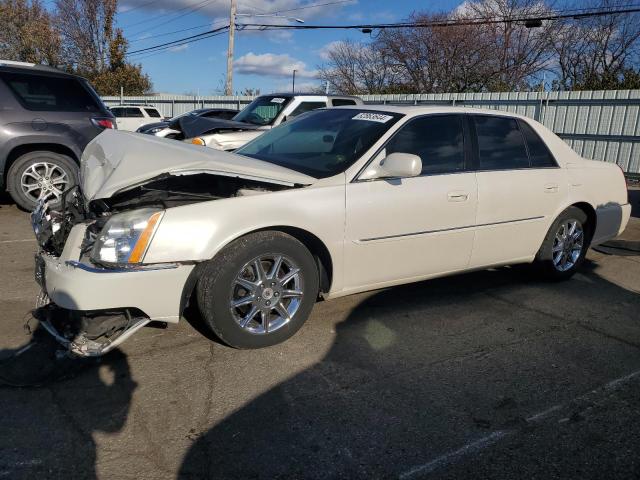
<point x="305" y="107"/>
<point x="437" y="139"/>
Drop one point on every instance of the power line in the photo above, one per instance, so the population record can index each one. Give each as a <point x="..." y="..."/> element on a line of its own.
<point x="180" y="41"/>
<point x="146" y="4"/>
<point x="441" y="23"/>
<point x="206" y="25"/>
<point x="313" y="6"/>
<point x="168" y="49"/>
<point x="187" y="9"/>
<point x="444" y="23"/>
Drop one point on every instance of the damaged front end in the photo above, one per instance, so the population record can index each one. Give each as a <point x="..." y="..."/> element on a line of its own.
<point x="92" y="300"/>
<point x="83" y="333"/>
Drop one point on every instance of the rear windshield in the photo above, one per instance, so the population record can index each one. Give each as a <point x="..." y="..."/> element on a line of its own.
<point x="51" y="93"/>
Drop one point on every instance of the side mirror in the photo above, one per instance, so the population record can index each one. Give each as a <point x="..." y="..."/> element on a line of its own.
<point x="395" y="165"/>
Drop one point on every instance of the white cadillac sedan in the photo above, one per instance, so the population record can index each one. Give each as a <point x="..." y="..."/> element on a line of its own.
<point x="336" y="202"/>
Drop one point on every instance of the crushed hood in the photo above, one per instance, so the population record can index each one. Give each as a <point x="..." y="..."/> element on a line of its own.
<point x="192" y="126"/>
<point x="116" y="160"/>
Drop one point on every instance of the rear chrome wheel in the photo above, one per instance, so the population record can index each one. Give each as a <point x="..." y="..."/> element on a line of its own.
<point x="267" y="293"/>
<point x="565" y="245"/>
<point x="568" y="244"/>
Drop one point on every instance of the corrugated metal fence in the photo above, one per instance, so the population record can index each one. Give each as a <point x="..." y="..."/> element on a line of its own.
<point x="602" y="125"/>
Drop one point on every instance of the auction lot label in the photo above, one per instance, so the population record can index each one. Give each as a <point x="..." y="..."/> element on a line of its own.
<point x="373" y="117"/>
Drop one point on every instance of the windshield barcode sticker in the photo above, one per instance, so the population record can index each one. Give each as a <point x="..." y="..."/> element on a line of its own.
<point x="373" y="117"/>
<point x="277" y="100"/>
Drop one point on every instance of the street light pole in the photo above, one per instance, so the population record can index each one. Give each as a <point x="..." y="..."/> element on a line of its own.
<point x="232" y="32"/>
<point x="294" y="80"/>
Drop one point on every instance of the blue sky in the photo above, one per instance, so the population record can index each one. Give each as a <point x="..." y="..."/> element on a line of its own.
<point x="264" y="60"/>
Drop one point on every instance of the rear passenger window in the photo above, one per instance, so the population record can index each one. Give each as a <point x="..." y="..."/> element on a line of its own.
<point x="153" y="113"/>
<point x="117" y="112"/>
<point x="133" y="112"/>
<point x="438" y="140"/>
<point x="305" y="107"/>
<point x="339" y="102"/>
<point x="500" y="143"/>
<point x="539" y="154"/>
<point x="50" y="93"/>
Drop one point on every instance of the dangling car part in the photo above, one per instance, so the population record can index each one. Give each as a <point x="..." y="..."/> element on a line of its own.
<point x="334" y="202"/>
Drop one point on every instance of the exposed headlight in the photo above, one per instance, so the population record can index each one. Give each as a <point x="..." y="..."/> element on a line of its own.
<point x="125" y="237"/>
<point x="155" y="130"/>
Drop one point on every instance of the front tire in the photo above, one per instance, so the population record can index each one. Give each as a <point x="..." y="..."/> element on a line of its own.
<point x="259" y="290"/>
<point x="41" y="174"/>
<point x="565" y="245"/>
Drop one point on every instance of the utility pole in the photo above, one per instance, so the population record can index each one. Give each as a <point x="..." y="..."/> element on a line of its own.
<point x="232" y="31"/>
<point x="294" y="80"/>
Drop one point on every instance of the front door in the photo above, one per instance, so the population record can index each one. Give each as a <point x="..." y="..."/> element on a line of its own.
<point x="408" y="228"/>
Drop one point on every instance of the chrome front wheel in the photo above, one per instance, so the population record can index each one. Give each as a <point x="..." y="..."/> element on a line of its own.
<point x="267" y="293"/>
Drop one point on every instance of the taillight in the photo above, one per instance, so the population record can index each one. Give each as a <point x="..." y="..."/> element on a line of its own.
<point x="104" y="123"/>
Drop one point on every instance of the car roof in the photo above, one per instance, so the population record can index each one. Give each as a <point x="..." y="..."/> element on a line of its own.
<point x="125" y="105"/>
<point x="415" y="110"/>
<point x="21" y="67"/>
<point x="306" y="94"/>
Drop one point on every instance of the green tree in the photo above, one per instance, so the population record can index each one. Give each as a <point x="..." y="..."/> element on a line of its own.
<point x="27" y="33"/>
<point x="95" y="49"/>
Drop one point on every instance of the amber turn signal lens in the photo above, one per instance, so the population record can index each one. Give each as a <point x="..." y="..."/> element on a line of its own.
<point x="198" y="141"/>
<point x="137" y="254"/>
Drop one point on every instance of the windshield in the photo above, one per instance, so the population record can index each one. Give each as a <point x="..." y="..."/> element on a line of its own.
<point x="321" y="143"/>
<point x="263" y="110"/>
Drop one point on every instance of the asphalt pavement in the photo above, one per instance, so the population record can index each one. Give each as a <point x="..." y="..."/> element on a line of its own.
<point x="492" y="374"/>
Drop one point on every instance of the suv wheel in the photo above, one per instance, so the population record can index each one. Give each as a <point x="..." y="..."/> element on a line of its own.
<point x="37" y="175"/>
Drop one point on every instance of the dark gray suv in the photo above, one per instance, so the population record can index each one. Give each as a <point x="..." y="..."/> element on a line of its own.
<point x="47" y="117"/>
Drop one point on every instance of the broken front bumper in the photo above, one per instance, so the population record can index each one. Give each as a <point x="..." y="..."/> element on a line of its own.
<point x="152" y="292"/>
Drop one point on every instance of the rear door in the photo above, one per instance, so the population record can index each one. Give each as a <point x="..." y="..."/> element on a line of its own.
<point x="520" y="189"/>
<point x="301" y="105"/>
<point x="407" y="228"/>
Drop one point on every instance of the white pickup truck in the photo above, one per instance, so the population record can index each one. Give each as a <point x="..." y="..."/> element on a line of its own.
<point x="132" y="117"/>
<point x="264" y="113"/>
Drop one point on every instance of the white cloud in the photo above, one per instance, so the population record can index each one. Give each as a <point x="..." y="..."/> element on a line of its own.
<point x="179" y="48"/>
<point x="215" y="8"/>
<point x="324" y="51"/>
<point x="272" y="65"/>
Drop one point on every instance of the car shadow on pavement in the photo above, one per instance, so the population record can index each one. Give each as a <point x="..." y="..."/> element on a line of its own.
<point x="53" y="404"/>
<point x="419" y="370"/>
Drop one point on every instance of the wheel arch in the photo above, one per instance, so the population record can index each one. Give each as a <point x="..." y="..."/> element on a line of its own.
<point x="592" y="217"/>
<point x="317" y="248"/>
<point x="22" y="149"/>
<point x="312" y="242"/>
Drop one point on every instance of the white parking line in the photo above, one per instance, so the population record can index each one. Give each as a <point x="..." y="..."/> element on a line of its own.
<point x="494" y="437"/>
<point x="19" y="241"/>
<point x="447" y="458"/>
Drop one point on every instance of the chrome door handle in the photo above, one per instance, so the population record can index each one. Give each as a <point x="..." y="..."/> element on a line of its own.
<point x="457" y="196"/>
<point x="551" y="188"/>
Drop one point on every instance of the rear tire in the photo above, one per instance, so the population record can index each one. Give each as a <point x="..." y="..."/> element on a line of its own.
<point x="41" y="174"/>
<point x="565" y="245"/>
<point x="259" y="290"/>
